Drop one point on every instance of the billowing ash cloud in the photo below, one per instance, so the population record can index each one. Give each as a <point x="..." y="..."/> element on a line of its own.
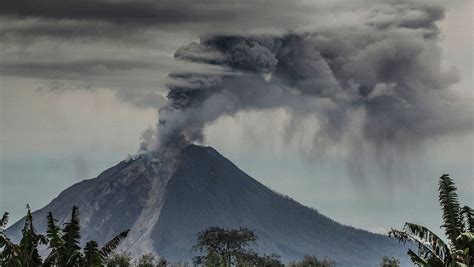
<point x="383" y="77"/>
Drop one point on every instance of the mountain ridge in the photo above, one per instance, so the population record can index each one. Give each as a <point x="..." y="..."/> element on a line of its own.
<point x="165" y="210"/>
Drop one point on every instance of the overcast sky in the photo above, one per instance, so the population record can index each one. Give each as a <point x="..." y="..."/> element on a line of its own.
<point x="80" y="83"/>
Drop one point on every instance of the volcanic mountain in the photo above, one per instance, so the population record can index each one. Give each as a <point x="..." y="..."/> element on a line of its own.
<point x="165" y="203"/>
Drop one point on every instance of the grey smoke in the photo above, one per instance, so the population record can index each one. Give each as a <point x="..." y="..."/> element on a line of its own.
<point x="370" y="71"/>
<point x="387" y="70"/>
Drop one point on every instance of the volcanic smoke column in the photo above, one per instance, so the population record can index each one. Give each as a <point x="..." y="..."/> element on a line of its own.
<point x="382" y="78"/>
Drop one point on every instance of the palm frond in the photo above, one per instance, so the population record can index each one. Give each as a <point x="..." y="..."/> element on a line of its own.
<point x="92" y="256"/>
<point x="466" y="243"/>
<point x="71" y="233"/>
<point x="9" y="250"/>
<point x="429" y="244"/>
<point x="51" y="259"/>
<point x="449" y="202"/>
<point x="417" y="259"/>
<point x="74" y="259"/>
<point x="468" y="215"/>
<point x="112" y="244"/>
<point x="429" y="239"/>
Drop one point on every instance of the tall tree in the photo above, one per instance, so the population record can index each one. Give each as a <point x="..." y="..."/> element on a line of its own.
<point x="71" y="238"/>
<point x="29" y="255"/>
<point x="57" y="253"/>
<point x="225" y="245"/>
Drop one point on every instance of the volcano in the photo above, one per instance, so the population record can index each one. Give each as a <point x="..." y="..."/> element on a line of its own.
<point x="165" y="203"/>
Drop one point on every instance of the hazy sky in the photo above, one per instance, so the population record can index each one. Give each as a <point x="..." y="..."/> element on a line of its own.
<point x="79" y="86"/>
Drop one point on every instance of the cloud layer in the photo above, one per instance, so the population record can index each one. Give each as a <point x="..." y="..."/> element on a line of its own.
<point x="370" y="71"/>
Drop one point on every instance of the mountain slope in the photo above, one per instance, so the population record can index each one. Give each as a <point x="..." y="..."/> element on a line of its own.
<point x="165" y="207"/>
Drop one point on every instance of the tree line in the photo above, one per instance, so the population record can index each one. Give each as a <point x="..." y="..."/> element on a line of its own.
<point x="63" y="244"/>
<point x="218" y="247"/>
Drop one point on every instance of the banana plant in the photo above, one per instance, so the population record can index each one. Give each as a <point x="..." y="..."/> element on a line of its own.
<point x="93" y="256"/>
<point x="468" y="218"/>
<point x="65" y="249"/>
<point x="432" y="251"/>
<point x="457" y="225"/>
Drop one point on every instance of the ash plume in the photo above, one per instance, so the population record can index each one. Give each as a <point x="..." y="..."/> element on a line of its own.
<point x="380" y="82"/>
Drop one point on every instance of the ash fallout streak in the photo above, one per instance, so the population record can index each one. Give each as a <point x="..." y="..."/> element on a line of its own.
<point x="379" y="83"/>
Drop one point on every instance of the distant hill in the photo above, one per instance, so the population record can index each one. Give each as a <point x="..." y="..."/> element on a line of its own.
<point x="166" y="206"/>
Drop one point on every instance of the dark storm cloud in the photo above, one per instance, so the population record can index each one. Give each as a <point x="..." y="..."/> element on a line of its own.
<point x="29" y="30"/>
<point x="114" y="11"/>
<point x="122" y="43"/>
<point x="164" y="12"/>
<point x="111" y="42"/>
<point x="74" y="69"/>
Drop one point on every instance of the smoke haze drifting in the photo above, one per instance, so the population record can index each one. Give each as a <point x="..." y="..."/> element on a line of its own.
<point x="368" y="74"/>
<point x="379" y="83"/>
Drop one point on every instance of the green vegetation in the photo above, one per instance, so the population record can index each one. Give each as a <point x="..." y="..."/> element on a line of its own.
<point x="226" y="248"/>
<point x="311" y="261"/>
<point x="389" y="262"/>
<point x="147" y="260"/>
<point x="119" y="260"/>
<point x="221" y="248"/>
<point x="63" y="245"/>
<point x="458" y="228"/>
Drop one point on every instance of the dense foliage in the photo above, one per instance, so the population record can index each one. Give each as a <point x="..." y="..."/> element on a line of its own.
<point x="230" y="247"/>
<point x="217" y="247"/>
<point x="64" y="245"/>
<point x="221" y="248"/>
<point x="224" y="247"/>
<point x="311" y="261"/>
<point x="389" y="262"/>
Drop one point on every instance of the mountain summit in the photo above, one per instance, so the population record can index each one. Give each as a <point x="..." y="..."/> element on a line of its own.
<point x="165" y="203"/>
